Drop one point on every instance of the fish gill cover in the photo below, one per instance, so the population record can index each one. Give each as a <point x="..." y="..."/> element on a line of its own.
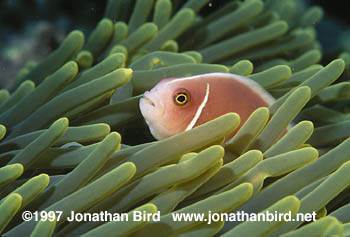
<point x="65" y="99"/>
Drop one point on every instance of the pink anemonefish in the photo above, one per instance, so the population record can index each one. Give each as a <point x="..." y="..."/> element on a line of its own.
<point x="175" y="105"/>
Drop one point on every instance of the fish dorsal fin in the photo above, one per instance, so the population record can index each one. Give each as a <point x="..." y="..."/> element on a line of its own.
<point x="199" y="110"/>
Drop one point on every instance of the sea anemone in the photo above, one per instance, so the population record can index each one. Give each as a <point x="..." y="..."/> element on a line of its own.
<point x="73" y="138"/>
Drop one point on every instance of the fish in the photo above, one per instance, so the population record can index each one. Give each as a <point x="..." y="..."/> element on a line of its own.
<point x="176" y="105"/>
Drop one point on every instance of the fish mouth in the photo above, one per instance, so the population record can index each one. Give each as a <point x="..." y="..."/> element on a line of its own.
<point x="147" y="100"/>
<point x="149" y="107"/>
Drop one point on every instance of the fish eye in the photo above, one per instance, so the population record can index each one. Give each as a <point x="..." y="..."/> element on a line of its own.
<point x="181" y="98"/>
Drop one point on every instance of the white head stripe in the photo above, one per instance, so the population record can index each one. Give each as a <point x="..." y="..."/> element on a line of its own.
<point x="199" y="110"/>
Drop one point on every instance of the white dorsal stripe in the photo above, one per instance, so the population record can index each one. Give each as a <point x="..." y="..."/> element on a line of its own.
<point x="257" y="88"/>
<point x="196" y="77"/>
<point x="199" y="110"/>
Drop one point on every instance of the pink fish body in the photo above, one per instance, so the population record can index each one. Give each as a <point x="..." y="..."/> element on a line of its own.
<point x="175" y="105"/>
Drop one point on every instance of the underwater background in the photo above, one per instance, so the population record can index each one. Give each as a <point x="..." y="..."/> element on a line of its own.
<point x="73" y="138"/>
